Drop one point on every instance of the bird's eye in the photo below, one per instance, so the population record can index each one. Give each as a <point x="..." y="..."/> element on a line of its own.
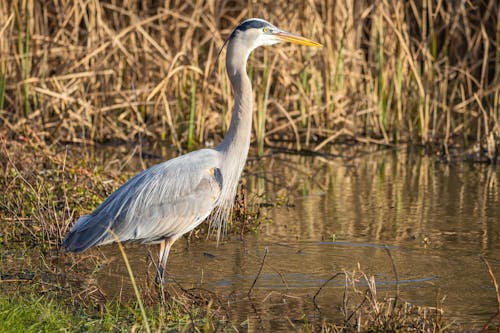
<point x="265" y="29"/>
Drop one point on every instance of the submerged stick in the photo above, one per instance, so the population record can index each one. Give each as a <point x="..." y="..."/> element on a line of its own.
<point x="396" y="276"/>
<point x="322" y="286"/>
<point x="495" y="284"/>
<point x="260" y="271"/>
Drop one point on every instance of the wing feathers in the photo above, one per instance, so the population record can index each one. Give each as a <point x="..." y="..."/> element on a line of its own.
<point x="168" y="199"/>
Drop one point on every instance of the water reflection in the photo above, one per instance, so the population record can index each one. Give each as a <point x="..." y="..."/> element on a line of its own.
<point x="436" y="219"/>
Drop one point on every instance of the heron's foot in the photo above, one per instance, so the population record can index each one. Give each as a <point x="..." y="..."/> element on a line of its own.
<point x="160" y="276"/>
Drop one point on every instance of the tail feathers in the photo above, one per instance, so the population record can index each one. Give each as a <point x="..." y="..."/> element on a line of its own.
<point x="85" y="233"/>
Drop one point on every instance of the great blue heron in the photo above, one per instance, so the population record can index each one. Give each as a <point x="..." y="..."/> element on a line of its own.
<point x="169" y="199"/>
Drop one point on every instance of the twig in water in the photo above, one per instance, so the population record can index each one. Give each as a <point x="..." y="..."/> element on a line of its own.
<point x="365" y="298"/>
<point x="396" y="276"/>
<point x="213" y="297"/>
<point x="249" y="294"/>
<point x="257" y="314"/>
<point x="184" y="290"/>
<point x="282" y="277"/>
<point x="260" y="271"/>
<point x="494" y="280"/>
<point x="322" y="286"/>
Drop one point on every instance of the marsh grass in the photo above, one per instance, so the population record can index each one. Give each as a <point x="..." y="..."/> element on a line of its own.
<point x="364" y="309"/>
<point x="423" y="72"/>
<point x="44" y="192"/>
<point x="74" y="307"/>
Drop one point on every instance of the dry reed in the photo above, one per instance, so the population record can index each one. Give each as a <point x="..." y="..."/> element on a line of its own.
<point x="391" y="71"/>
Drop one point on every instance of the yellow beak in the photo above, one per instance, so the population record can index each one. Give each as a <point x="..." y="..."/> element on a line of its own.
<point x="296" y="39"/>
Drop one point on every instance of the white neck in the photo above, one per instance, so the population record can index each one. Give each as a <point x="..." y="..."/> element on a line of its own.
<point x="239" y="133"/>
<point x="234" y="148"/>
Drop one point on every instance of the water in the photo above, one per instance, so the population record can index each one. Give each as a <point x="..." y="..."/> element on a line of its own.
<point x="435" y="219"/>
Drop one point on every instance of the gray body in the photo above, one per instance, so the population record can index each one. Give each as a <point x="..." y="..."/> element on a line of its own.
<point x="157" y="204"/>
<point x="164" y="202"/>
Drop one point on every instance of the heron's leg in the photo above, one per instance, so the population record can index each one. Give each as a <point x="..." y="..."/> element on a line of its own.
<point x="165" y="246"/>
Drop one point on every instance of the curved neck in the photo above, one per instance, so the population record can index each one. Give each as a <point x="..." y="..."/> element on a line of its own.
<point x="234" y="147"/>
<point x="237" y="139"/>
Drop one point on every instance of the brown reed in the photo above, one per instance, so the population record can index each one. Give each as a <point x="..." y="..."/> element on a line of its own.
<point x="391" y="71"/>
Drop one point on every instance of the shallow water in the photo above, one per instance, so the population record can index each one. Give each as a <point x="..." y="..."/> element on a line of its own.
<point x="338" y="214"/>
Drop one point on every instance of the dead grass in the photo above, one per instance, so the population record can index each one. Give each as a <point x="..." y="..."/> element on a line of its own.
<point x="395" y="71"/>
<point x="364" y="310"/>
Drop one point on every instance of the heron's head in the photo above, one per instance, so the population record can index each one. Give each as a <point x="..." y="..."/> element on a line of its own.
<point x="256" y="32"/>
